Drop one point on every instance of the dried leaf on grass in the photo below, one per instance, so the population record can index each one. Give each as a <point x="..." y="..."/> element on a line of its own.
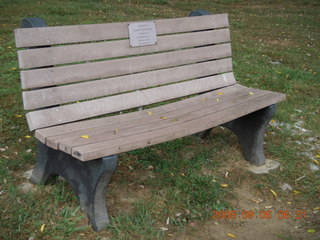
<point x="163" y="228"/>
<point x="274" y="193"/>
<point x="231" y="235"/>
<point x="42" y="228"/>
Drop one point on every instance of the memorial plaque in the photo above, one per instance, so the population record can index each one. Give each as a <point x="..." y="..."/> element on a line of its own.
<point x="142" y="34"/>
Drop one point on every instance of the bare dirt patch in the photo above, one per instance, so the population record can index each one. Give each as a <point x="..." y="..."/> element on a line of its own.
<point x="255" y="228"/>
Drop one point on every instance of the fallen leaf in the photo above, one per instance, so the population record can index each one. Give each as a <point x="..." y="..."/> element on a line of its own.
<point x="18" y="115"/>
<point x="174" y="120"/>
<point x="278" y="72"/>
<point x="163" y="228"/>
<point x="274" y="193"/>
<point x="231" y="235"/>
<point x="318" y="156"/>
<point x="218" y="99"/>
<point x="3" y="149"/>
<point x="27" y="136"/>
<point x="29" y="150"/>
<point x="85" y="136"/>
<point x="204" y="99"/>
<point x="316" y="161"/>
<point x="163" y="118"/>
<point x="149" y="113"/>
<point x="168" y="221"/>
<point x="256" y="200"/>
<point x="213" y="180"/>
<point x="224" y="185"/>
<point x="130" y="168"/>
<point x="268" y="207"/>
<point x="311" y="231"/>
<point x="299" y="178"/>
<point x="116" y="131"/>
<point x="219" y="93"/>
<point x="316" y="208"/>
<point x="251" y="93"/>
<point x="296" y="192"/>
<point x="42" y="228"/>
<point x="171" y="235"/>
<point x="182" y="174"/>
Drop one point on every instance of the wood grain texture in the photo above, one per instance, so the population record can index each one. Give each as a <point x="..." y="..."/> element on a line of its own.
<point x="45" y="133"/>
<point x="77" y="111"/>
<point x="197" y="124"/>
<point x="147" y="122"/>
<point x="30" y="37"/>
<point x="95" y="70"/>
<point x="39" y="57"/>
<point x="80" y="91"/>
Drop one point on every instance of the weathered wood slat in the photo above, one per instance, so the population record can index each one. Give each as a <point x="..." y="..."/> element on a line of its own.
<point x="148" y="122"/>
<point x="74" y="92"/>
<point x="94" y="70"/>
<point x="45" y="133"/>
<point x="30" y="37"/>
<point x="77" y="111"/>
<point x="203" y="122"/>
<point x="38" y="57"/>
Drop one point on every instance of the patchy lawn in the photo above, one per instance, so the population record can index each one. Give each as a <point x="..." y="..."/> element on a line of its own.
<point x="171" y="190"/>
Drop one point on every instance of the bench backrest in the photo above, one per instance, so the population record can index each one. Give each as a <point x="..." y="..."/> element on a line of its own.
<point x="70" y="73"/>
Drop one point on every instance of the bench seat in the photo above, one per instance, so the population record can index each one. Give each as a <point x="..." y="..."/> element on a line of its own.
<point x="112" y="135"/>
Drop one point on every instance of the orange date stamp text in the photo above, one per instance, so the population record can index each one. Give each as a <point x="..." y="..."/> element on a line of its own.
<point x="263" y="214"/>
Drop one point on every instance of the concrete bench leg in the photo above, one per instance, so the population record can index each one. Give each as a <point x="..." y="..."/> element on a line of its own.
<point x="89" y="180"/>
<point x="250" y="130"/>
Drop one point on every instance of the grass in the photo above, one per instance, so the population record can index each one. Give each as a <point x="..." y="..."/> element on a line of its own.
<point x="275" y="47"/>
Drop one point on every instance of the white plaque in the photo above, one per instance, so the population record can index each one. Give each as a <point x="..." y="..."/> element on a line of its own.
<point x="142" y="34"/>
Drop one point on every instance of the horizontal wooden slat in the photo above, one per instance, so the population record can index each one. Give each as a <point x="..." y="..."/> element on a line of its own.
<point x="38" y="57"/>
<point x="74" y="92"/>
<point x="83" y="110"/>
<point x="45" y="133"/>
<point x="146" y="122"/>
<point x="81" y="72"/>
<point x="199" y="123"/>
<point x="30" y="37"/>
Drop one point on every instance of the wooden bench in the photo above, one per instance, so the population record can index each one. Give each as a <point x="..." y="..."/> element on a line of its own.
<point x="73" y="74"/>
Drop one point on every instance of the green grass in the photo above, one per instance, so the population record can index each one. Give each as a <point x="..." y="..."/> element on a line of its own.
<point x="275" y="47"/>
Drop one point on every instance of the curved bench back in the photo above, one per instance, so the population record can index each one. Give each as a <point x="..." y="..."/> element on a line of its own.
<point x="70" y="73"/>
